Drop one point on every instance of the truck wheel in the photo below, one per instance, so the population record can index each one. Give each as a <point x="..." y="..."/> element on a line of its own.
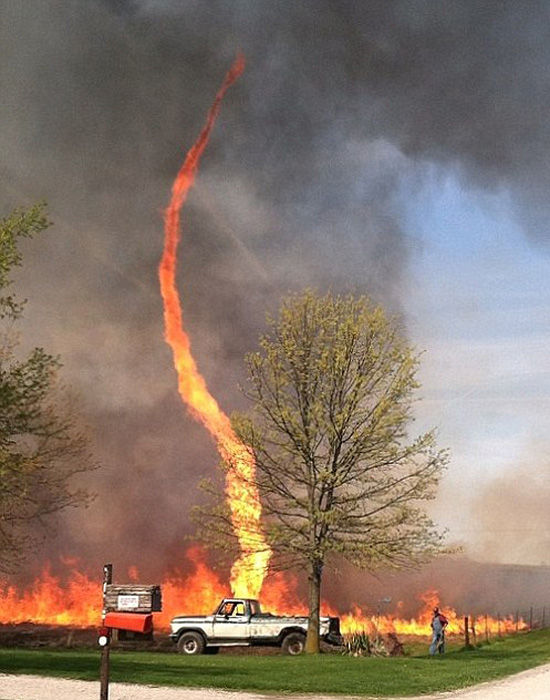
<point x="294" y="643"/>
<point x="191" y="643"/>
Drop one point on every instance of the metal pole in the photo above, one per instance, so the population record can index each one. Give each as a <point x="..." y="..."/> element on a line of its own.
<point x="104" y="667"/>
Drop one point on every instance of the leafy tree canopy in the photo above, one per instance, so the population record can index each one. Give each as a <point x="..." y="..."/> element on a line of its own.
<point x="41" y="445"/>
<point x="332" y="391"/>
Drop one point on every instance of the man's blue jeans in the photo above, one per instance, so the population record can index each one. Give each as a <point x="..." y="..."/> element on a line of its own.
<point x="438" y="643"/>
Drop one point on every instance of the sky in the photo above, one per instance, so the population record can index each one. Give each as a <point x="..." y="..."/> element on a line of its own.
<point x="479" y="306"/>
<point x="394" y="149"/>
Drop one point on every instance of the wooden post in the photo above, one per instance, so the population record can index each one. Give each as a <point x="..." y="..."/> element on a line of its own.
<point x="517" y="620"/>
<point x="486" y="630"/>
<point x="498" y="619"/>
<point x="466" y="632"/>
<point x="474" y="635"/>
<point x="530" y="618"/>
<point x="104" y="667"/>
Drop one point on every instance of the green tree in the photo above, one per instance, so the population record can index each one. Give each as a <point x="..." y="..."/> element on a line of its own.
<point x="331" y="391"/>
<point x="41" y="445"/>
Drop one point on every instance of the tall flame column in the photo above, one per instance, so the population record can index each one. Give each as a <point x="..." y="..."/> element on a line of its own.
<point x="248" y="571"/>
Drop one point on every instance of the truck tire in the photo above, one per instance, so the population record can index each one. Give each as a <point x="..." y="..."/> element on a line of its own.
<point x="294" y="643"/>
<point x="191" y="643"/>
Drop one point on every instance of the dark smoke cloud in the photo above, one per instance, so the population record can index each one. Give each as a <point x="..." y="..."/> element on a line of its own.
<point x="340" y="100"/>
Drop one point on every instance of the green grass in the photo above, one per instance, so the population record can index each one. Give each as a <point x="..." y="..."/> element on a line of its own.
<point x="329" y="673"/>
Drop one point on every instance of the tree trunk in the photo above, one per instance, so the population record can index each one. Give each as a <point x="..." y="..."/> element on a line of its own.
<point x="314" y="600"/>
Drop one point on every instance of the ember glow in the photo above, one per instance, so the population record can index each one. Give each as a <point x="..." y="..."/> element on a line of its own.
<point x="248" y="571"/>
<point x="75" y="600"/>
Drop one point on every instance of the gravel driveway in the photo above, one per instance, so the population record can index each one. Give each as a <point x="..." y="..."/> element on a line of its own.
<point x="528" y="685"/>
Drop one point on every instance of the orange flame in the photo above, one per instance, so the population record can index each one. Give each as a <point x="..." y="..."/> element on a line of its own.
<point x="420" y="625"/>
<point x="248" y="571"/>
<point x="76" y="600"/>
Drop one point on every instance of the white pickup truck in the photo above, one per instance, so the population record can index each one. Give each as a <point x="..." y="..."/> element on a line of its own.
<point x="240" y="622"/>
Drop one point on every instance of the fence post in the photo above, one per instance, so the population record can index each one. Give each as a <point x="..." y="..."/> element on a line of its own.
<point x="498" y="619"/>
<point x="530" y="618"/>
<point x="474" y="635"/>
<point x="517" y="619"/>
<point x="486" y="630"/>
<point x="466" y="632"/>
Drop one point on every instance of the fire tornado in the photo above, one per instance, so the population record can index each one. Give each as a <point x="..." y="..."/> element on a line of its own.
<point x="248" y="571"/>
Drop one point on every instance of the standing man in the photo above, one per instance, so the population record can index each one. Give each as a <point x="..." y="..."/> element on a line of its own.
<point x="439" y="622"/>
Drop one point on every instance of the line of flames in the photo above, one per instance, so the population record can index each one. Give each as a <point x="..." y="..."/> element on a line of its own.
<point x="76" y="602"/>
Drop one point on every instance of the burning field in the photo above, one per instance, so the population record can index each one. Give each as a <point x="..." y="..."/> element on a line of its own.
<point x="74" y="601"/>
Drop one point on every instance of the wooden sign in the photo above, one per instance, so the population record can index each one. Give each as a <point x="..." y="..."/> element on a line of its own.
<point x="132" y="597"/>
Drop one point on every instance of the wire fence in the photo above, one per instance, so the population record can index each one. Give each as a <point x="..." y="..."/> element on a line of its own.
<point x="484" y="628"/>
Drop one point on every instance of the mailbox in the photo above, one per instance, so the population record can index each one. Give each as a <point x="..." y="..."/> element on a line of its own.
<point x="132" y="622"/>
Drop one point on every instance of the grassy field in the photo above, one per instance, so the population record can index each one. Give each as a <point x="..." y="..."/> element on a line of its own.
<point x="413" y="674"/>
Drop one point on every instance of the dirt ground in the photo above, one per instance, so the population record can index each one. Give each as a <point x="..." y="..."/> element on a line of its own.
<point x="531" y="685"/>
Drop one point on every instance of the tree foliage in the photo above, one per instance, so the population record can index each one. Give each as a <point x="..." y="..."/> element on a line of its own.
<point x="332" y="391"/>
<point x="41" y="445"/>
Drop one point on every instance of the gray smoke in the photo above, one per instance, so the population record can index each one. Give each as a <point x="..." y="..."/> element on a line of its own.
<point x="512" y="517"/>
<point x="298" y="186"/>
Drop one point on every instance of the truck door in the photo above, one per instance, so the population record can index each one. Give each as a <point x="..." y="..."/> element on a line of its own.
<point x="231" y="622"/>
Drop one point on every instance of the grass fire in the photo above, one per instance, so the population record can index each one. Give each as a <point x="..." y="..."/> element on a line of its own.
<point x="74" y="600"/>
